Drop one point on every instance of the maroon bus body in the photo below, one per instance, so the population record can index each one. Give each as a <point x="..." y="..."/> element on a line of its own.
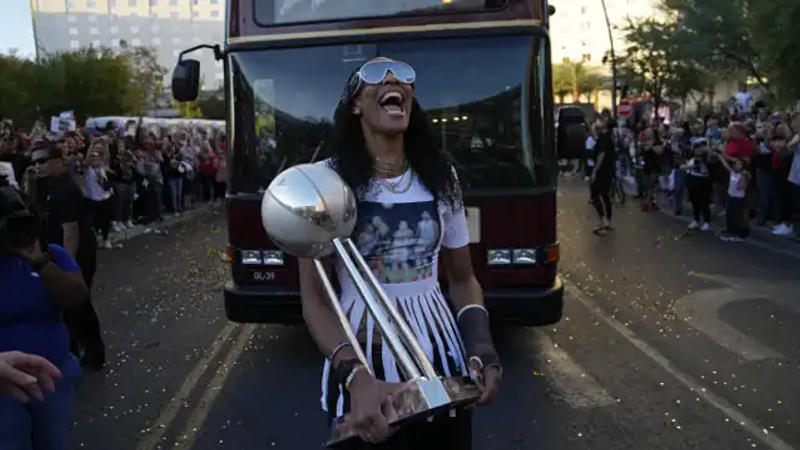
<point x="525" y="295"/>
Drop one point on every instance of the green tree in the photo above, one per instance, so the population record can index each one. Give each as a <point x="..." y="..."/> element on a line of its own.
<point x="651" y="62"/>
<point x="719" y="34"/>
<point x="212" y="104"/>
<point x="147" y="76"/>
<point x="189" y="110"/>
<point x="576" y="78"/>
<point x="776" y="24"/>
<point x="562" y="83"/>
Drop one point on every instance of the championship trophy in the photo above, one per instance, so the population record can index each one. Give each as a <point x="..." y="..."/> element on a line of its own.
<point x="310" y="212"/>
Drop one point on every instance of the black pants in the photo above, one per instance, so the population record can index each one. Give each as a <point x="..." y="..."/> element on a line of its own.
<point x="207" y="183"/>
<point x="154" y="201"/>
<point x="102" y="213"/>
<point x="601" y="198"/>
<point x="444" y="432"/>
<point x="734" y="217"/>
<point x="786" y="195"/>
<point x="83" y="324"/>
<point x="219" y="190"/>
<point x="700" y="196"/>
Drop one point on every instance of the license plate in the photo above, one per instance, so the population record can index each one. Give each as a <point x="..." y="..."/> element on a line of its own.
<point x="474" y="224"/>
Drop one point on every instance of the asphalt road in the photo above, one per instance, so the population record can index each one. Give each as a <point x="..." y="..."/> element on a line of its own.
<point x="669" y="341"/>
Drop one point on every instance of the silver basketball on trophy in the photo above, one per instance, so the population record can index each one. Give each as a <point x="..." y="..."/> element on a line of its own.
<point x="305" y="208"/>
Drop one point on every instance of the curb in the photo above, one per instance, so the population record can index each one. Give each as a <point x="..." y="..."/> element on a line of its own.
<point x="760" y="237"/>
<point x="160" y="228"/>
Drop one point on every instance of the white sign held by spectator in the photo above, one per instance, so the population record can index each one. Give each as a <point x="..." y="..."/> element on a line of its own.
<point x="7" y="171"/>
<point x="61" y="124"/>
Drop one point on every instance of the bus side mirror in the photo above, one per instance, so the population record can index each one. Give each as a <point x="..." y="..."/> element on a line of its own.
<point x="186" y="80"/>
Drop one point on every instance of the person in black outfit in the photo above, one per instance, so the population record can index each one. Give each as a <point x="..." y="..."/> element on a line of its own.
<point x="68" y="222"/>
<point x="603" y="174"/>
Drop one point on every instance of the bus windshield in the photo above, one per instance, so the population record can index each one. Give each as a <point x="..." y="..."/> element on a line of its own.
<point x="275" y="12"/>
<point x="482" y="97"/>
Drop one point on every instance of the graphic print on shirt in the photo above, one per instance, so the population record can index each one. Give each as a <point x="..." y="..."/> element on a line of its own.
<point x="398" y="240"/>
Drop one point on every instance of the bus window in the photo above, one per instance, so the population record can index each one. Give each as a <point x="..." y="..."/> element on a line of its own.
<point x="477" y="93"/>
<point x="273" y="12"/>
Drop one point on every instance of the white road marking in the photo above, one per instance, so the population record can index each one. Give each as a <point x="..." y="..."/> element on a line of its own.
<point x="164" y="420"/>
<point x="571" y="382"/>
<point x="749" y="425"/>
<point x="198" y="416"/>
<point x="701" y="310"/>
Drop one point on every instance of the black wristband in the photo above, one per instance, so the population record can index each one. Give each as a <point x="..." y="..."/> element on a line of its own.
<point x="344" y="368"/>
<point x="473" y="324"/>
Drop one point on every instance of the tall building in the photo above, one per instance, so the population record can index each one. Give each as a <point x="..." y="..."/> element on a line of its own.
<point x="168" y="26"/>
<point x="578" y="30"/>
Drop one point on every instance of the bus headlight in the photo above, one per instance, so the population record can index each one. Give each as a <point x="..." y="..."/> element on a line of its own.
<point x="524" y="256"/>
<point x="272" y="257"/>
<point x="499" y="257"/>
<point x="250" y="257"/>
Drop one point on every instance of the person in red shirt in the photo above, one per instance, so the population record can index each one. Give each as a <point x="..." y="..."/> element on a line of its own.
<point x="739" y="146"/>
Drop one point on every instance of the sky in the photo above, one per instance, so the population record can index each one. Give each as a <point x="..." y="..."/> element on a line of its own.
<point x="17" y="28"/>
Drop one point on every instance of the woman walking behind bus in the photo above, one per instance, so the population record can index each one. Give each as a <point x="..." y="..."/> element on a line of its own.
<point x="603" y="174"/>
<point x="383" y="148"/>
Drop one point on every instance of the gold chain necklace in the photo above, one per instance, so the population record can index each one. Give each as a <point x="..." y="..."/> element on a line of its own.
<point x="393" y="186"/>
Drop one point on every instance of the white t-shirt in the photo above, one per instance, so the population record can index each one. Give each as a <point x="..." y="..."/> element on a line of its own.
<point x="400" y="236"/>
<point x="744" y="101"/>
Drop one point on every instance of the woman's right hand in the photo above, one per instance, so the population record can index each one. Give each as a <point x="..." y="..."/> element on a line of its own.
<point x="371" y="408"/>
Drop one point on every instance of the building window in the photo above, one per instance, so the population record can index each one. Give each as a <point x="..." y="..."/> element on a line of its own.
<point x="156" y="41"/>
<point x="154" y="28"/>
<point x="71" y="19"/>
<point x="132" y="3"/>
<point x="114" y="29"/>
<point x="195" y="2"/>
<point x="173" y="15"/>
<point x="96" y="44"/>
<point x="73" y="31"/>
<point x="173" y="2"/>
<point x="214" y="2"/>
<point x="153" y="2"/>
<point x="115" y="42"/>
<point x="586" y="57"/>
<point x="214" y="13"/>
<point x="74" y="45"/>
<point x="136" y="42"/>
<point x="71" y="4"/>
<point x="588" y="26"/>
<point x="92" y="18"/>
<point x="93" y="30"/>
<point x="134" y="29"/>
<point x="583" y="9"/>
<point x="91" y="4"/>
<point x="112" y="3"/>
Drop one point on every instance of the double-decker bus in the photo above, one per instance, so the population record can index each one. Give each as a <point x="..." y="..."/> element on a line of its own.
<point x="484" y="79"/>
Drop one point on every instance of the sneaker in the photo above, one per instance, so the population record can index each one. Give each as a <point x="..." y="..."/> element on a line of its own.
<point x="782" y="230"/>
<point x="130" y="224"/>
<point x="694" y="225"/>
<point x="115" y="227"/>
<point x="107" y="244"/>
<point x="706" y="227"/>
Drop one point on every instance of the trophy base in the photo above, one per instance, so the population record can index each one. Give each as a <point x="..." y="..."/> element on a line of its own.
<point x="422" y="399"/>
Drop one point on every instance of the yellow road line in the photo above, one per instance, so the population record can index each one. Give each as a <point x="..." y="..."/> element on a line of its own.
<point x="201" y="410"/>
<point x="160" y="425"/>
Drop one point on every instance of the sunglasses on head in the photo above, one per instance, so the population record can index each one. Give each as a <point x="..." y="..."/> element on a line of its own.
<point x="374" y="72"/>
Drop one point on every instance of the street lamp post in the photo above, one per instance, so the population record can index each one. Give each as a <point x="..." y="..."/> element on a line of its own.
<point x="613" y="63"/>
